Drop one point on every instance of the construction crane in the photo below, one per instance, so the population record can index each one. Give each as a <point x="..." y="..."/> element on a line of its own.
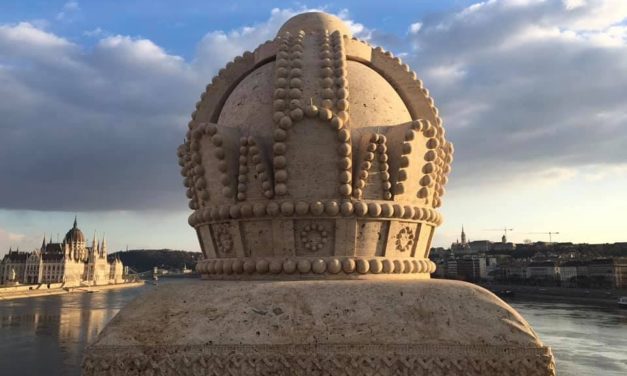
<point x="550" y="233"/>
<point x="504" y="229"/>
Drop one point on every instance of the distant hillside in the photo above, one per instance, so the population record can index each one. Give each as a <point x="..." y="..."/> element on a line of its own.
<point x="142" y="260"/>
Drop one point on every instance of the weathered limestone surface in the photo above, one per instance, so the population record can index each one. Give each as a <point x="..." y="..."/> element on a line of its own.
<point x="315" y="167"/>
<point x="319" y="327"/>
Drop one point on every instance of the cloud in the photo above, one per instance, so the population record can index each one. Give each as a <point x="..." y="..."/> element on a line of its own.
<point x="415" y="27"/>
<point x="527" y="85"/>
<point x="69" y="9"/>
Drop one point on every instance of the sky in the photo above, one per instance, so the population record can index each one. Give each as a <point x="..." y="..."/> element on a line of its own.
<point x="95" y="97"/>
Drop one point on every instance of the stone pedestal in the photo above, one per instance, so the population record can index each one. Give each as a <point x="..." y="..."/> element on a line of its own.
<point x="394" y="327"/>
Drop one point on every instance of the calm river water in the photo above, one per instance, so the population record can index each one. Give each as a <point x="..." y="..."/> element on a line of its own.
<point x="46" y="335"/>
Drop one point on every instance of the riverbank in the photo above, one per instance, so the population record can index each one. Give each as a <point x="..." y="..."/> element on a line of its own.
<point x="602" y="297"/>
<point x="21" y="294"/>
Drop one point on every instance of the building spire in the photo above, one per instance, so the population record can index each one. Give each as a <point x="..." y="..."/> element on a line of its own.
<point x="103" y="248"/>
<point x="94" y="243"/>
<point x="43" y="243"/>
<point x="463" y="235"/>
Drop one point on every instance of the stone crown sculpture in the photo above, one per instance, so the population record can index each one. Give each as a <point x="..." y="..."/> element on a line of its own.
<point x="292" y="177"/>
<point x="315" y="155"/>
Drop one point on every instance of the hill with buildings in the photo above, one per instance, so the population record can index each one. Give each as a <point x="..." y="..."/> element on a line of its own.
<point x="142" y="260"/>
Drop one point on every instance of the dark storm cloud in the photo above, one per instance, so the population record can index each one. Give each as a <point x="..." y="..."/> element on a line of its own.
<point x="89" y="130"/>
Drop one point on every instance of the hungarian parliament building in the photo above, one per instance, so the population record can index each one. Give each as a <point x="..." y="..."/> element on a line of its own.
<point x="71" y="263"/>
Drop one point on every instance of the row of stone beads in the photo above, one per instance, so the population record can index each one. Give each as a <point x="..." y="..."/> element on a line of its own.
<point x="376" y="148"/>
<point x="341" y="80"/>
<point x="316" y="208"/>
<point x="332" y="81"/>
<point x="248" y="147"/>
<point x="199" y="171"/>
<point x="429" y="167"/>
<point x="185" y="161"/>
<point x="316" y="265"/>
<point x="404" y="161"/>
<point x="287" y="102"/>
<point x="444" y="167"/>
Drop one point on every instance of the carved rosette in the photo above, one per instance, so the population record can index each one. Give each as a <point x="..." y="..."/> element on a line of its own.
<point x="321" y="171"/>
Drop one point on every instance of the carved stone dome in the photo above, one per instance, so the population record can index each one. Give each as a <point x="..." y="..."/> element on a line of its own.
<point x="74" y="235"/>
<point x="315" y="149"/>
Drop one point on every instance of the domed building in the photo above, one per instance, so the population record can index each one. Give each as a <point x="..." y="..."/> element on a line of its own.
<point x="314" y="168"/>
<point x="70" y="263"/>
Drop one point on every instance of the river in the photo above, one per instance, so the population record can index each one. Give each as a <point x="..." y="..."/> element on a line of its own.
<point x="46" y="335"/>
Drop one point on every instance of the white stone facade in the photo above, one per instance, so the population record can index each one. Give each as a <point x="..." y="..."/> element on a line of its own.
<point x="71" y="262"/>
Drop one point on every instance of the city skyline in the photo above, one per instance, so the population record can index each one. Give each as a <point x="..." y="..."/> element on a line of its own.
<point x="531" y="93"/>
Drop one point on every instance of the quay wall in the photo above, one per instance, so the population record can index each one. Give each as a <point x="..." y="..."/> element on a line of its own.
<point x="29" y="291"/>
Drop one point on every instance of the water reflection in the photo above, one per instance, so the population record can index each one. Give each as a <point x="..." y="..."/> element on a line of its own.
<point x="586" y="340"/>
<point x="46" y="335"/>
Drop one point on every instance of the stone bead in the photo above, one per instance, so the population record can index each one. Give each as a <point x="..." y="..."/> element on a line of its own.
<point x="332" y="208"/>
<point x="262" y="266"/>
<point x="409" y="212"/>
<point x="304" y="266"/>
<point x="317" y="208"/>
<point x="361" y="208"/>
<point x="276" y="266"/>
<point x="246" y="210"/>
<point x="362" y="266"/>
<point x="399" y="211"/>
<point x="407" y="266"/>
<point x="334" y="266"/>
<point x="337" y="123"/>
<point x="348" y="265"/>
<point x="399" y="267"/>
<point x="376" y="266"/>
<point x="249" y="266"/>
<point x="285" y="122"/>
<point x="318" y="266"/>
<point x="374" y="209"/>
<point x="259" y="210"/>
<point x="289" y="266"/>
<point x="280" y="135"/>
<point x="227" y="266"/>
<point x="346" y="208"/>
<point x="280" y="189"/>
<point x="287" y="208"/>
<point x="386" y="210"/>
<point x="325" y="114"/>
<point x="280" y="176"/>
<point x="345" y="163"/>
<point x="345" y="189"/>
<point x="388" y="266"/>
<point x="345" y="176"/>
<point x="279" y="148"/>
<point x="297" y="114"/>
<point x="302" y="208"/>
<point x="344" y="149"/>
<point x="234" y="211"/>
<point x="272" y="209"/>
